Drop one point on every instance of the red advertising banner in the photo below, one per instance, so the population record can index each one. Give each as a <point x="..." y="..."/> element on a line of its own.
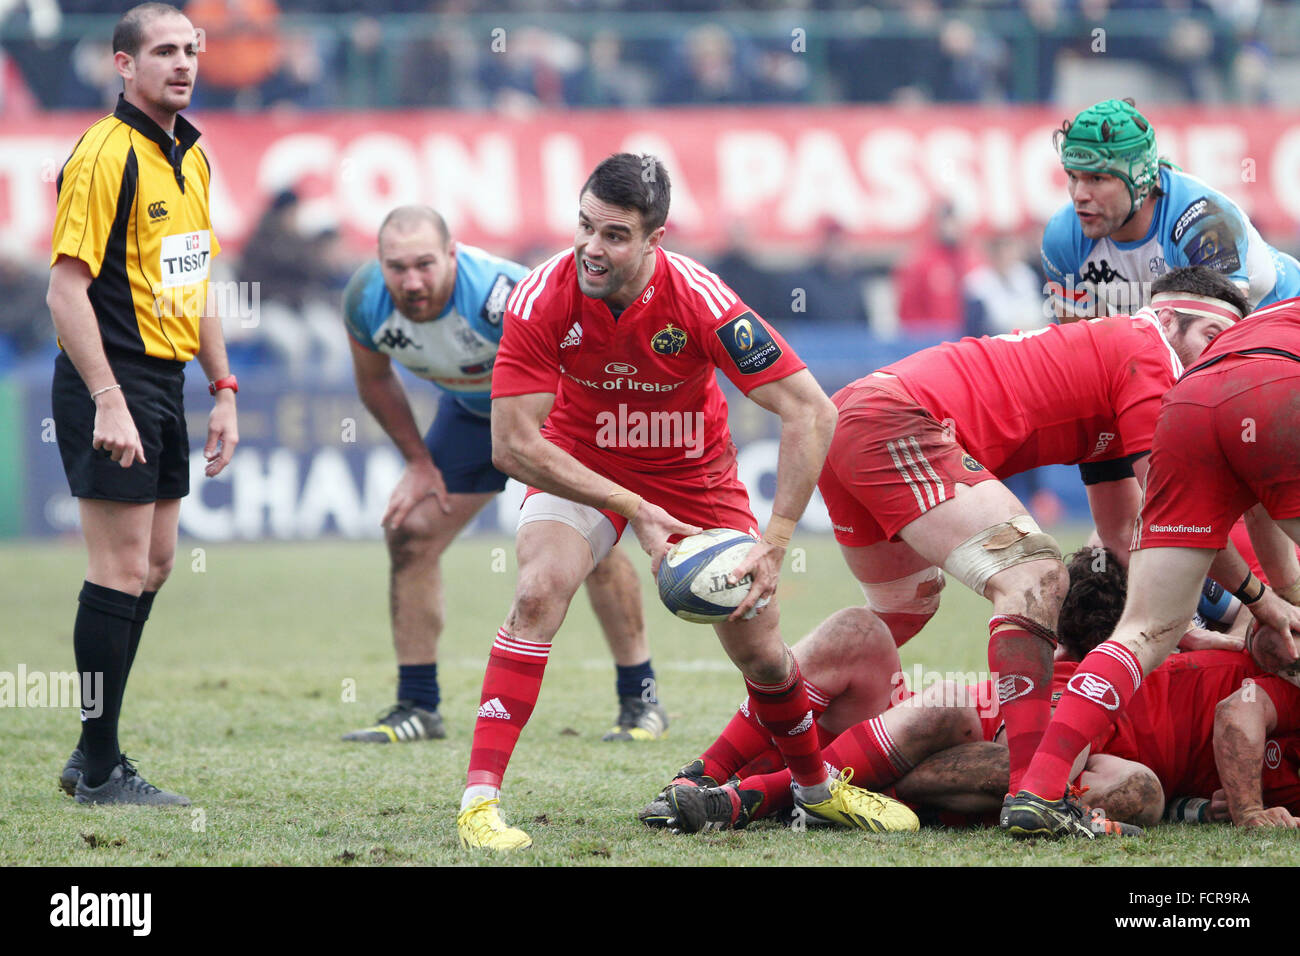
<point x="776" y="173"/>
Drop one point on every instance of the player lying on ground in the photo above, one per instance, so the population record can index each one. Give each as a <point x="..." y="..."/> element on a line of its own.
<point x="1161" y="746"/>
<point x="436" y="306"/>
<point x="617" y="331"/>
<point x="1257" y="752"/>
<point x="936" y="746"/>
<point x="1227" y="439"/>
<point x="911" y="477"/>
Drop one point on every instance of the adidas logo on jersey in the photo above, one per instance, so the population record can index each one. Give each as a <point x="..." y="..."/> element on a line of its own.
<point x="494" y="708"/>
<point x="804" y="725"/>
<point x="573" y="337"/>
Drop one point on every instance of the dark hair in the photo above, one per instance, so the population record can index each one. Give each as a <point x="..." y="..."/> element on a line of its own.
<point x="129" y="32"/>
<point x="633" y="182"/>
<point x="1095" y="601"/>
<point x="1201" y="280"/>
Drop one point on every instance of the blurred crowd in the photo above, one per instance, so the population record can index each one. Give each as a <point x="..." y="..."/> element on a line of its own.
<point x="320" y="54"/>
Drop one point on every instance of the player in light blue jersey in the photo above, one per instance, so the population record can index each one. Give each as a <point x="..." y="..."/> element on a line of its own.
<point x="1133" y="216"/>
<point x="436" y="306"/>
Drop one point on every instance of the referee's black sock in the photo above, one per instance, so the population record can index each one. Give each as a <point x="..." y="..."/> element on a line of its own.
<point x="142" y="608"/>
<point x="101" y="639"/>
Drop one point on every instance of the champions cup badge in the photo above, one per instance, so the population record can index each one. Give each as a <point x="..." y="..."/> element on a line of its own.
<point x="668" y="341"/>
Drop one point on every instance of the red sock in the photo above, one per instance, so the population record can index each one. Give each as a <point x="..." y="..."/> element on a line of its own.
<point x="1020" y="657"/>
<point x="745" y="747"/>
<point x="870" y="751"/>
<point x="1101" y="687"/>
<point x="510" y="688"/>
<point x="786" y="712"/>
<point x="775" y="787"/>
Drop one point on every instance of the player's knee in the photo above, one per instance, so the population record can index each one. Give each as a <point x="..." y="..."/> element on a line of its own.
<point x="852" y="638"/>
<point x="541" y="597"/>
<point x="1035" y="589"/>
<point x="905" y="604"/>
<point x="411" y="542"/>
<point x="995" y="561"/>
<point x="160" y="569"/>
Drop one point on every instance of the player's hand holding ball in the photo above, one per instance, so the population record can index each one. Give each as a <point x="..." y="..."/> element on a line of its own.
<point x="653" y="527"/>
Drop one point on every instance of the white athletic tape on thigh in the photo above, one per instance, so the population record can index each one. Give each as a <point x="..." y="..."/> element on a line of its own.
<point x="995" y="549"/>
<point x="584" y="519"/>
<point x="915" y="594"/>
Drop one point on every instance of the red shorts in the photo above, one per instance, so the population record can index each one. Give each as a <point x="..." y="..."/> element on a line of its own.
<point x="1226" y="438"/>
<point x="709" y="495"/>
<point x="890" y="462"/>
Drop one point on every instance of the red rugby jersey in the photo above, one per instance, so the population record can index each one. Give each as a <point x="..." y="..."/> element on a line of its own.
<point x="1275" y="327"/>
<point x="1086" y="391"/>
<point x="617" y="378"/>
<point x="1169" y="723"/>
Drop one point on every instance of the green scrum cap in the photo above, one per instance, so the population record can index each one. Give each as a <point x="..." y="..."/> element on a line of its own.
<point x="1112" y="137"/>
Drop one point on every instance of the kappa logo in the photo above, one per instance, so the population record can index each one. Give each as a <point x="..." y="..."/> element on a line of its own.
<point x="668" y="341"/>
<point x="1272" y="755"/>
<point x="157" y="210"/>
<point x="572" y="338"/>
<point x="1096" y="689"/>
<point x="494" y="708"/>
<point x="397" y="339"/>
<point x="803" y="727"/>
<point x="1100" y="272"/>
<point x="1013" y="686"/>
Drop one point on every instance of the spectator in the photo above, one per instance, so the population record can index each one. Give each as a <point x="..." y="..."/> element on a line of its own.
<point x="1005" y="294"/>
<point x="833" y="284"/>
<point x="928" y="281"/>
<point x="241" y="49"/>
<point x="25" y="319"/>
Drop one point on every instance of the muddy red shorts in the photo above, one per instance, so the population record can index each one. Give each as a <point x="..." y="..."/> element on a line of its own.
<point x="1227" y="437"/>
<point x="890" y="462"/>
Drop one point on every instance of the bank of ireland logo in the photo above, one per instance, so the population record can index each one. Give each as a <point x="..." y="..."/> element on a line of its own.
<point x="668" y="341"/>
<point x="620" y="368"/>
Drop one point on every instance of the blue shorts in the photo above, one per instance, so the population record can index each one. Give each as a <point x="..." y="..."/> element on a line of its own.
<point x="461" y="445"/>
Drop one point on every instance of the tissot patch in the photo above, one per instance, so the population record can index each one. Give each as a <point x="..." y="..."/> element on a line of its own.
<point x="749" y="343"/>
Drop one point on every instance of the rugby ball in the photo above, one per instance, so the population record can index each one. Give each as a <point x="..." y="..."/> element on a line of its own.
<point x="693" y="576"/>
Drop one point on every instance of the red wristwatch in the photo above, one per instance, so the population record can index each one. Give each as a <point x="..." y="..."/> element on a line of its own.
<point x="228" y="382"/>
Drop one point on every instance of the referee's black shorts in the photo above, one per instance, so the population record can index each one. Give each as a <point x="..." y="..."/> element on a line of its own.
<point x="153" y="389"/>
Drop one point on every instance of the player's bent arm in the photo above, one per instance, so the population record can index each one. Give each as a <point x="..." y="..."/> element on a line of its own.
<point x="1276" y="553"/>
<point x="1242" y="723"/>
<point x="1114" y="506"/>
<point x="78" y="329"/>
<point x="807" y="425"/>
<point x="382" y="393"/>
<point x="519" y="450"/>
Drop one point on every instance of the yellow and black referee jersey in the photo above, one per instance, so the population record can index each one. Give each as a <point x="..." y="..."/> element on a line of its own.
<point x="133" y="205"/>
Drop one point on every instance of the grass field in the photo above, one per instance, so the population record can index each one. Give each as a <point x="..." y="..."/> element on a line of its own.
<point x="238" y="700"/>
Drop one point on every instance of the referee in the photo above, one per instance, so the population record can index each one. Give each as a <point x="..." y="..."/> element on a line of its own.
<point x="128" y="294"/>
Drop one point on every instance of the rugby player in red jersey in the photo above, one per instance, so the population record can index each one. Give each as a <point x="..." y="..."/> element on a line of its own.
<point x="1257" y="754"/>
<point x="605" y="402"/>
<point x="911" y="477"/>
<point x="1227" y="439"/>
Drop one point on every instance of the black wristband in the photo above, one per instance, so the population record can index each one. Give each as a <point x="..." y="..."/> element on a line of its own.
<point x="1243" y="594"/>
